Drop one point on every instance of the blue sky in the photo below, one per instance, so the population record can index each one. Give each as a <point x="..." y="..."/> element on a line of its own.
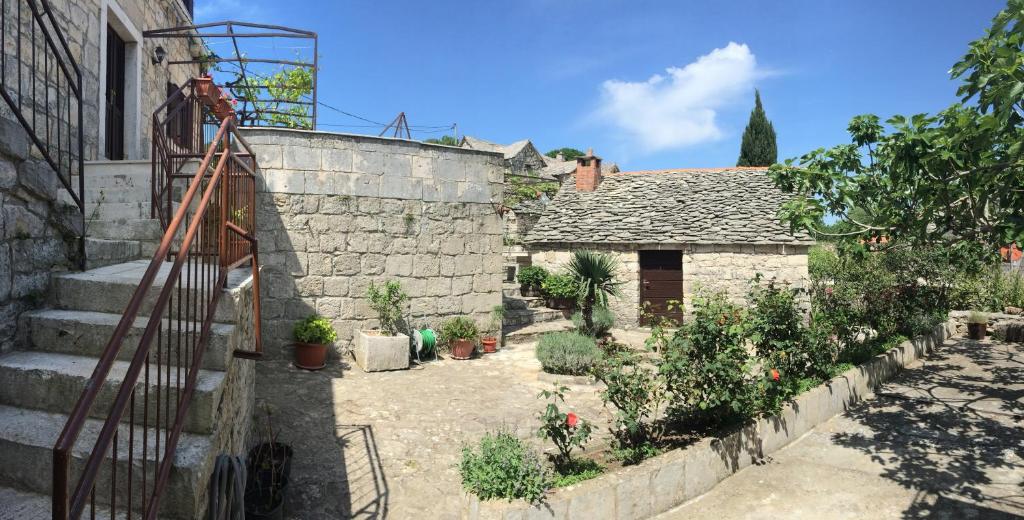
<point x="646" y="84"/>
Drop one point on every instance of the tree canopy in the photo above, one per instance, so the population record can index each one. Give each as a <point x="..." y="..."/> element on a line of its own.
<point x="446" y="140"/>
<point x="569" y="153"/>
<point x="955" y="177"/>
<point x="758" y="145"/>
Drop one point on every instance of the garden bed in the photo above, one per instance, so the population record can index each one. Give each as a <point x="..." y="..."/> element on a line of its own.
<point x="664" y="481"/>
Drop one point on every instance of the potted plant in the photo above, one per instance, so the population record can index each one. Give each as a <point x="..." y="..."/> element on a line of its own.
<point x="561" y="291"/>
<point x="268" y="469"/>
<point x="459" y="333"/>
<point x="490" y="343"/>
<point x="385" y="348"/>
<point x="206" y="91"/>
<point x="977" y="325"/>
<point x="312" y="335"/>
<point x="530" y="279"/>
<point x="224" y="108"/>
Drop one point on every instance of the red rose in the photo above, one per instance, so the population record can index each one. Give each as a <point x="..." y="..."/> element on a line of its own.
<point x="775" y="375"/>
<point x="828" y="291"/>
<point x="571" y="419"/>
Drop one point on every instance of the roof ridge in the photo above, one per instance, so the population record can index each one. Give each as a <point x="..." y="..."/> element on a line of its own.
<point x="685" y="170"/>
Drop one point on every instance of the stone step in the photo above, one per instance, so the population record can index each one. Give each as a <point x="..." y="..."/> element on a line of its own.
<point x="519" y="334"/>
<point x="511" y="290"/>
<point x="54" y="382"/>
<point x="516" y="317"/>
<point x="28" y="437"/>
<point x="522" y="302"/>
<point x="136" y="229"/>
<point x="86" y="333"/>
<point x="101" y="252"/>
<point x="110" y="288"/>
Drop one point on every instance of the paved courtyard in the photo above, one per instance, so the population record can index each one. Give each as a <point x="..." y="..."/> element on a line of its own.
<point x="387" y="444"/>
<point x="943" y="440"/>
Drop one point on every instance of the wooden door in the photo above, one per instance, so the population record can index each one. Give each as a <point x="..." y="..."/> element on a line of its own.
<point x="661" y="282"/>
<point x="114" y="132"/>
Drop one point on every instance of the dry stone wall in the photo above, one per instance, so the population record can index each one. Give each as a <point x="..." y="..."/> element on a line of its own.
<point x="337" y="212"/>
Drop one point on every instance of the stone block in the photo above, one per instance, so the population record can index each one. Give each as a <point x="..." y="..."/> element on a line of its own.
<point x="401" y="188"/>
<point x="633" y="494"/>
<point x="6" y="276"/>
<point x="284" y="181"/>
<point x="269" y="155"/>
<point x="301" y="157"/>
<point x="440" y="191"/>
<point x="14" y="141"/>
<point x="368" y="162"/>
<point x="375" y="352"/>
<point x="336" y="159"/>
<point x="8" y="174"/>
<point x="473" y="192"/>
<point x="397" y="165"/>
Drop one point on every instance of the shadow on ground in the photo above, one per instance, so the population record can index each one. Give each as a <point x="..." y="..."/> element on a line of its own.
<point x="952" y="431"/>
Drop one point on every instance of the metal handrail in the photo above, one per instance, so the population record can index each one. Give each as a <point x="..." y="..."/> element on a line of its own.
<point x="198" y="232"/>
<point x="52" y="122"/>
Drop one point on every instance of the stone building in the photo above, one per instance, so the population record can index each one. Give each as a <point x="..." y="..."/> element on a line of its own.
<point x="673" y="232"/>
<point x="521" y="157"/>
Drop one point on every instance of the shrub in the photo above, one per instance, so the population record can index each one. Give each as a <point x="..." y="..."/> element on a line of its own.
<point x="315" y="329"/>
<point x="976" y="317"/>
<point x="566" y="431"/>
<point x="604" y="320"/>
<point x="531" y="276"/>
<point x="706" y="363"/>
<point x="387" y="303"/>
<point x="637" y="393"/>
<point x="567" y="353"/>
<point x="459" y="327"/>
<point x="560" y="286"/>
<point x="595" y="277"/>
<point x="502" y="466"/>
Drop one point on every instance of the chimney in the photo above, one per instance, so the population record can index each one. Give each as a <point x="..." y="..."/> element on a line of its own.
<point x="588" y="171"/>
<point x="560" y="157"/>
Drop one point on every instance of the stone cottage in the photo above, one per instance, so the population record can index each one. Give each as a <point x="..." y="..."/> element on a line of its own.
<point x="673" y="231"/>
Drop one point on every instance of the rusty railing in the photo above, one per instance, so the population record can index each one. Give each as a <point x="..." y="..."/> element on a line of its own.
<point x="42" y="85"/>
<point x="210" y="233"/>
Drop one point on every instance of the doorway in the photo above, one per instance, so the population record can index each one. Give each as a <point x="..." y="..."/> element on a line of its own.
<point x="661" y="282"/>
<point x="115" y="95"/>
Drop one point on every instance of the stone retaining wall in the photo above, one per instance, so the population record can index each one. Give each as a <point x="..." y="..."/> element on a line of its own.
<point x="663" y="482"/>
<point x="337" y="212"/>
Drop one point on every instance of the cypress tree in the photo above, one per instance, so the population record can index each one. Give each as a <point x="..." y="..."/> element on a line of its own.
<point x="758" y="145"/>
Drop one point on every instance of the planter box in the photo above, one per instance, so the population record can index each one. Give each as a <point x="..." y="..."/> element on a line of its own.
<point x="374" y="352"/>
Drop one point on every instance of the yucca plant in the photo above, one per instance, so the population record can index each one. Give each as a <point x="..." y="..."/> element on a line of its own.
<point x="596" y="274"/>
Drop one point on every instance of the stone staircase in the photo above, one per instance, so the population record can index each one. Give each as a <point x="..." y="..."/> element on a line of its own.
<point x="41" y="382"/>
<point x="59" y="345"/>
<point x="117" y="211"/>
<point x="526" y="316"/>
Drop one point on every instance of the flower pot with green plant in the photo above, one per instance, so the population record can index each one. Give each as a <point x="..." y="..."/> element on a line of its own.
<point x="490" y="343"/>
<point x="561" y="292"/>
<point x="460" y="333"/>
<point x="386" y="348"/>
<point x="977" y="325"/>
<point x="206" y="91"/>
<point x="530" y="279"/>
<point x="312" y="336"/>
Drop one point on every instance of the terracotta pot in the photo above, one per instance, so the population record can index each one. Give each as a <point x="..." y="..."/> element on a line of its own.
<point x="528" y="290"/>
<point x="223" y="109"/>
<point x="490" y="344"/>
<point x="977" y="330"/>
<point x="310" y="356"/>
<point x="560" y="303"/>
<point x="206" y="91"/>
<point x="462" y="349"/>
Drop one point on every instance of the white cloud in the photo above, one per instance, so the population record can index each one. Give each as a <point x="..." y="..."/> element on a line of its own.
<point x="678" y="109"/>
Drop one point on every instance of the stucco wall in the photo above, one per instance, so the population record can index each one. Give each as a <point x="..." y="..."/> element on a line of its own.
<point x="724" y="267"/>
<point x="339" y="211"/>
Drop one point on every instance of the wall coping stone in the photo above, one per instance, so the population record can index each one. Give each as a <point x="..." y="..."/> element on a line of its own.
<point x="666" y="481"/>
<point x="258" y="131"/>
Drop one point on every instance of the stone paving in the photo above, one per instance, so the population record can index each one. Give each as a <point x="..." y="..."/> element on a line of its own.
<point x="942" y="440"/>
<point x="387" y="444"/>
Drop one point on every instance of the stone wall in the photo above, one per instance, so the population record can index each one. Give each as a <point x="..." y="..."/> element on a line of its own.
<point x="336" y="212"/>
<point x="721" y="267"/>
<point x="627" y="306"/>
<point x="730" y="267"/>
<point x="38" y="236"/>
